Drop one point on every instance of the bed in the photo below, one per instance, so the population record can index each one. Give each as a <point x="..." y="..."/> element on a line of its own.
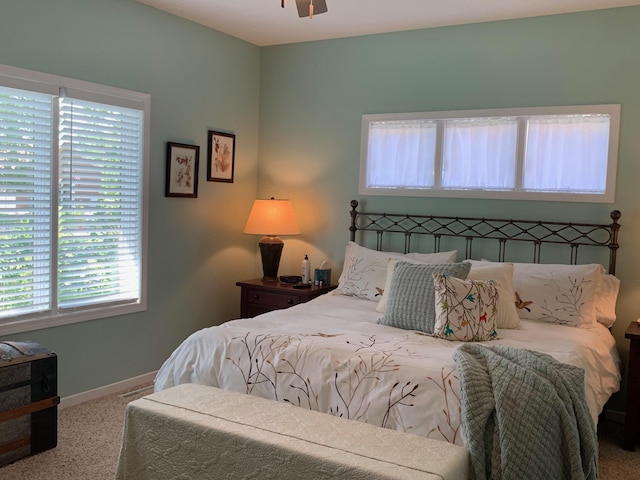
<point x="375" y="351"/>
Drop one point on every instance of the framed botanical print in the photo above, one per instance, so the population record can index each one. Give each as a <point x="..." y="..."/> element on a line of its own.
<point x="182" y="170"/>
<point x="221" y="156"/>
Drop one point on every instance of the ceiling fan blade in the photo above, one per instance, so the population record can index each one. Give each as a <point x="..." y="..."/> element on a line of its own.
<point x="319" y="6"/>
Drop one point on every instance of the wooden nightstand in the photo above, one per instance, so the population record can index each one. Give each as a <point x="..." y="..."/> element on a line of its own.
<point x="633" y="388"/>
<point x="258" y="296"/>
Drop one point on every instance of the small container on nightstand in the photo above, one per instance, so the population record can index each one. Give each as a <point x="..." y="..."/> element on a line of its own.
<point x="259" y="296"/>
<point x="632" y="413"/>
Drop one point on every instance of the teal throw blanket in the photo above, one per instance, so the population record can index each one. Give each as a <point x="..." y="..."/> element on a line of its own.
<point x="524" y="415"/>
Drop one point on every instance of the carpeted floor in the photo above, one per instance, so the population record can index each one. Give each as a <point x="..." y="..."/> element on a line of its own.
<point x="89" y="437"/>
<point x="616" y="463"/>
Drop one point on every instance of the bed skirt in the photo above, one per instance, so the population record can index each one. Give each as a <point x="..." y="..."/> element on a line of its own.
<point x="195" y="431"/>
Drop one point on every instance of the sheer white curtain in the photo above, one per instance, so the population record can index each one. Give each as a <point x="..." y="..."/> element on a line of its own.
<point x="539" y="153"/>
<point x="401" y="154"/>
<point x="480" y="153"/>
<point x="567" y="153"/>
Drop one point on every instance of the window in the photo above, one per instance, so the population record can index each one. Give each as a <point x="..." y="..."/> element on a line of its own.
<point x="548" y="153"/>
<point x="73" y="175"/>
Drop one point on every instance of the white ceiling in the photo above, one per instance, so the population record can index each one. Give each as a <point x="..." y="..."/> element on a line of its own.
<point x="264" y="22"/>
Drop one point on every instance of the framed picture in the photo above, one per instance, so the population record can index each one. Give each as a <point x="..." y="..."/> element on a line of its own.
<point x="182" y="170"/>
<point x="221" y="156"/>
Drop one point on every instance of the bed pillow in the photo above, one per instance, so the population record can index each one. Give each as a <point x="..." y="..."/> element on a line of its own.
<point x="559" y="294"/>
<point x="364" y="271"/>
<point x="438" y="257"/>
<point x="411" y="302"/>
<point x="605" y="307"/>
<point x="502" y="273"/>
<point x="466" y="310"/>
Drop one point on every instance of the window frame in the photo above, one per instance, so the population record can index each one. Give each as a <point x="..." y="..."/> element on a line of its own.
<point x="518" y="193"/>
<point x="39" y="82"/>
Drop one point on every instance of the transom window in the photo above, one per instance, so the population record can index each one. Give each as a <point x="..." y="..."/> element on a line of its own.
<point x="548" y="153"/>
<point x="73" y="175"/>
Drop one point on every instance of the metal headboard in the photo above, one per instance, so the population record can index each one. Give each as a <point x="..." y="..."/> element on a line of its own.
<point x="536" y="232"/>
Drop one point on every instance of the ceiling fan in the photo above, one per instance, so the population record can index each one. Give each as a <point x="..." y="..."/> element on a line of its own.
<point x="309" y="8"/>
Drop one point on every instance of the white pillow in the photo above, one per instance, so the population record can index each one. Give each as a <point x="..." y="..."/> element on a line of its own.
<point x="364" y="271"/>
<point x="466" y="310"/>
<point x="560" y="294"/>
<point x="606" y="300"/>
<point x="384" y="300"/>
<point x="432" y="258"/>
<point x="502" y="273"/>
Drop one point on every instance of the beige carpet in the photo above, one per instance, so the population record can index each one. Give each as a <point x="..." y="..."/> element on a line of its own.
<point x="89" y="438"/>
<point x="89" y="441"/>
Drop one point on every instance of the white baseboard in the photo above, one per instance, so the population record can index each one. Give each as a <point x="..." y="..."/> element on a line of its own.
<point x="78" y="398"/>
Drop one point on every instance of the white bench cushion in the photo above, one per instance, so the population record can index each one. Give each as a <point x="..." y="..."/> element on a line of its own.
<point x="200" y="432"/>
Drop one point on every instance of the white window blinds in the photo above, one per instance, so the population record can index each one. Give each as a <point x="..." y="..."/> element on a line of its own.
<point x="100" y="203"/>
<point x="26" y="134"/>
<point x="73" y="176"/>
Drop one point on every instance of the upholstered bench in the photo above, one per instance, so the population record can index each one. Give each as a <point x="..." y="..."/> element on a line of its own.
<point x="199" y="432"/>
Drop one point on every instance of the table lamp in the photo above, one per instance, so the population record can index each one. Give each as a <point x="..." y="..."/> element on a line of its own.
<point x="271" y="218"/>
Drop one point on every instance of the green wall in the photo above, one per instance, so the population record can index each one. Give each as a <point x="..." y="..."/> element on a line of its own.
<point x="198" y="79"/>
<point x="314" y="94"/>
<point x="301" y="104"/>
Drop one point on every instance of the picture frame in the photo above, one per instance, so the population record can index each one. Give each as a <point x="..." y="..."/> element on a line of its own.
<point x="182" y="170"/>
<point x="221" y="149"/>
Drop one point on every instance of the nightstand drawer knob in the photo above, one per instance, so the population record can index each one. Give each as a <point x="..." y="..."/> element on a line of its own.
<point x="256" y="296"/>
<point x="290" y="302"/>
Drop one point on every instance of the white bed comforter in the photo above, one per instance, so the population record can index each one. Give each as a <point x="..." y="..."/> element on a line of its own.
<point x="330" y="355"/>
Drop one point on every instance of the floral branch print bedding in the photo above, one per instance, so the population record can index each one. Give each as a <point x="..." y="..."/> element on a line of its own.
<point x="331" y="356"/>
<point x="355" y="377"/>
<point x="556" y="296"/>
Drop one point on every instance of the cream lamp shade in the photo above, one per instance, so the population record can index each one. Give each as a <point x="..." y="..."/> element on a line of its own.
<point x="271" y="218"/>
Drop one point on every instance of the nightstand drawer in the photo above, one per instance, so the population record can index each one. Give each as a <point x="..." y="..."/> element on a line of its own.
<point x="260" y="296"/>
<point x="271" y="299"/>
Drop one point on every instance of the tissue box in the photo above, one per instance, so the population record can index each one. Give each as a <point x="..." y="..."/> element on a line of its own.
<point x="322" y="275"/>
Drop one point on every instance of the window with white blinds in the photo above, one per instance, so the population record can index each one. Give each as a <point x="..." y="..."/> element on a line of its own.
<point x="547" y="153"/>
<point x="26" y="200"/>
<point x="73" y="174"/>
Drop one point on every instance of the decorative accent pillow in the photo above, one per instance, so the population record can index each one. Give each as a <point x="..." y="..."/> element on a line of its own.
<point x="560" y="294"/>
<point x="364" y="270"/>
<point x="411" y="302"/>
<point x="466" y="310"/>
<point x="391" y="265"/>
<point x="502" y="273"/>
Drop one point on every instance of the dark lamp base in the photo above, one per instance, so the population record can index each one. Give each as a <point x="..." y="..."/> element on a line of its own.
<point x="270" y="251"/>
